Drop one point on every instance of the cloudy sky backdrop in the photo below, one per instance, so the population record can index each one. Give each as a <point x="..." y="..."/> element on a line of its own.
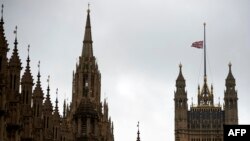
<point x="139" y="45"/>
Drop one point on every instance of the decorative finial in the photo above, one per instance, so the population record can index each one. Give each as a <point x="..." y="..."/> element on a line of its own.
<point x="2" y="13"/>
<point x="48" y="79"/>
<point x="28" y="58"/>
<point x="230" y="64"/>
<point x="15" y="31"/>
<point x="204" y="23"/>
<point x="28" y="50"/>
<point x="38" y="66"/>
<point x="180" y="65"/>
<point x="88" y="7"/>
<point x="138" y="126"/>
<point x="56" y="94"/>
<point x="138" y="133"/>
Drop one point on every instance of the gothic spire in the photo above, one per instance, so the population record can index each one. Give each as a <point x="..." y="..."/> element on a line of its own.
<point x="56" y="108"/>
<point x="180" y="77"/>
<point x="2" y="14"/>
<point x="38" y="89"/>
<point x="87" y="50"/>
<point x="47" y="103"/>
<point x="64" y="109"/>
<point x="180" y="81"/>
<point x="56" y="113"/>
<point x="138" y="133"/>
<point x="38" y="83"/>
<point x="230" y="80"/>
<point x="3" y="41"/>
<point x="27" y="77"/>
<point x="231" y="99"/>
<point x="15" y="60"/>
<point x="205" y="97"/>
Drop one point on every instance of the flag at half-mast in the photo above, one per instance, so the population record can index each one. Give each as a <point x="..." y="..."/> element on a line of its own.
<point x="197" y="44"/>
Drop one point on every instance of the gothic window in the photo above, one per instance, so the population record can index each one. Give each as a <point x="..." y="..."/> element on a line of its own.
<point x="230" y="104"/>
<point x="92" y="126"/>
<point x="44" y="122"/>
<point x="84" y="126"/>
<point x="37" y="111"/>
<point x="92" y="84"/>
<point x="56" y="132"/>
<point x="85" y="80"/>
<point x="85" y="92"/>
<point x="34" y="109"/>
<point x="27" y="96"/>
<point x="23" y="95"/>
<point x="0" y="63"/>
<point x="180" y="103"/>
<point x="14" y="82"/>
<point x="47" y="124"/>
<point x="86" y="66"/>
<point x="11" y="81"/>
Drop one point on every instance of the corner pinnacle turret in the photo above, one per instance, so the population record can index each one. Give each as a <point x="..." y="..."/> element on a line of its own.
<point x="180" y="81"/>
<point x="27" y="77"/>
<point x="3" y="41"/>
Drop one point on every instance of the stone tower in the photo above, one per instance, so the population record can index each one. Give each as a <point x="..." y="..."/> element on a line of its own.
<point x="13" y="104"/>
<point x="38" y="97"/>
<point x="90" y="119"/>
<point x="47" y="117"/>
<point x="3" y="77"/>
<point x="230" y="99"/>
<point x="25" y="102"/>
<point x="27" y="115"/>
<point x="205" y="120"/>
<point x="56" y="120"/>
<point x="181" y="107"/>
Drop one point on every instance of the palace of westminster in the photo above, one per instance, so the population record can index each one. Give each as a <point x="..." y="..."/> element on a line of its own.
<point x="27" y="114"/>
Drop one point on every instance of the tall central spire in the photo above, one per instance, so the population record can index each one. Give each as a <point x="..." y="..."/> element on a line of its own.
<point x="87" y="50"/>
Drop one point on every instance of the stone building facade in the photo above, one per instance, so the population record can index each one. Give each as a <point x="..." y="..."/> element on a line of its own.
<point x="204" y="121"/>
<point x="27" y="114"/>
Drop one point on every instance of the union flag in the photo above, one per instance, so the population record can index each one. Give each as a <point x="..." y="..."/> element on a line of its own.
<point x="197" y="44"/>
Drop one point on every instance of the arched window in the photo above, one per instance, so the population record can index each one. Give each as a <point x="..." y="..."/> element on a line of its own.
<point x="14" y="82"/>
<point x="84" y="126"/>
<point x="27" y="97"/>
<point x="0" y="63"/>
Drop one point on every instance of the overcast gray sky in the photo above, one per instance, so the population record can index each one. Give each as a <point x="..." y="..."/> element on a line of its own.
<point x="139" y="45"/>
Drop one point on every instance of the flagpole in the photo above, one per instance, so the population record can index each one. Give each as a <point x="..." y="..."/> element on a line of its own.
<point x="204" y="44"/>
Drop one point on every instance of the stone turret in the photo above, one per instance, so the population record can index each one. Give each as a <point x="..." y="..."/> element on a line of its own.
<point x="231" y="99"/>
<point x="181" y="106"/>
